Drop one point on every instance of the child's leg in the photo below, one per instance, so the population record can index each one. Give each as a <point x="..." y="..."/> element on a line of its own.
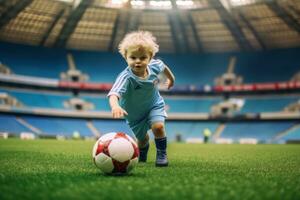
<point x="158" y="130"/>
<point x="144" y="147"/>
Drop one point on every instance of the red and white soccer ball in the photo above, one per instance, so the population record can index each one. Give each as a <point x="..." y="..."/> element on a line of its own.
<point x="115" y="153"/>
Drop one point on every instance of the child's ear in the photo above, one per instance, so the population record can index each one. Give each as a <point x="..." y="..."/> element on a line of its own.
<point x="151" y="55"/>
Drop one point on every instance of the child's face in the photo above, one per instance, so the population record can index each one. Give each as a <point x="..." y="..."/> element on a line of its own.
<point x="138" y="58"/>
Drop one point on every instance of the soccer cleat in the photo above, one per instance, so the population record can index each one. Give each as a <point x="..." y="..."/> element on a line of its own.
<point x="161" y="153"/>
<point x="161" y="158"/>
<point x="144" y="153"/>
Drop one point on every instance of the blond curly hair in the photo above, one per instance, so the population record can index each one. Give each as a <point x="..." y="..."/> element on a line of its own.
<point x="144" y="39"/>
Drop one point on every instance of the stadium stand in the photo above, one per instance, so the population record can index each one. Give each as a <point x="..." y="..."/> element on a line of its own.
<point x="33" y="61"/>
<point x="100" y="102"/>
<point x="189" y="105"/>
<point x="293" y="134"/>
<point x="59" y="126"/>
<point x="202" y="70"/>
<point x="188" y="129"/>
<point x="267" y="104"/>
<point x="39" y="99"/>
<point x="268" y="66"/>
<point x="11" y="125"/>
<point x="263" y="131"/>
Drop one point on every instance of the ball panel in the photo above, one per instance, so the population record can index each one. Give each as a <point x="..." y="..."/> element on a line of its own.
<point x="104" y="163"/>
<point x="100" y="148"/>
<point x="132" y="163"/>
<point x="120" y="167"/>
<point x="120" y="149"/>
<point x="108" y="136"/>
<point x="136" y="150"/>
<point x="131" y="140"/>
<point x="103" y="147"/>
<point x="95" y="149"/>
<point x="121" y="135"/>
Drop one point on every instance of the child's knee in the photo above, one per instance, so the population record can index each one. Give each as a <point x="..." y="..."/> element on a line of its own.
<point x="158" y="128"/>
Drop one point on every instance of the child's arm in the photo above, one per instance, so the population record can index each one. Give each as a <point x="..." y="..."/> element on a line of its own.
<point x="170" y="76"/>
<point x="116" y="109"/>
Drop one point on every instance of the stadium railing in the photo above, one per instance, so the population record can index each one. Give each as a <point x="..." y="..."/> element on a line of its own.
<point x="54" y="84"/>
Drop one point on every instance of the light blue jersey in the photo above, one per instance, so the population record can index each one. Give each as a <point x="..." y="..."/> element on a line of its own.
<point x="140" y="97"/>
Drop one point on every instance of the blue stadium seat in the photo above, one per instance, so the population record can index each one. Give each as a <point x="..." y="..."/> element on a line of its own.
<point x="292" y="135"/>
<point x="8" y="123"/>
<point x="263" y="131"/>
<point x="188" y="129"/>
<point x="268" y="66"/>
<point x="41" y="100"/>
<point x="190" y="105"/>
<point x="100" y="102"/>
<point x="34" y="61"/>
<point x="59" y="126"/>
<point x="267" y="104"/>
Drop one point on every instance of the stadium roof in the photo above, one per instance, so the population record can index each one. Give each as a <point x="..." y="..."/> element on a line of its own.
<point x="181" y="26"/>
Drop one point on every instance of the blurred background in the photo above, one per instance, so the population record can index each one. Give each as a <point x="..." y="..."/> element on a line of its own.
<point x="236" y="62"/>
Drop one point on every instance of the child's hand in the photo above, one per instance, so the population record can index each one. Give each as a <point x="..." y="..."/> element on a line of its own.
<point x="118" y="112"/>
<point x="169" y="83"/>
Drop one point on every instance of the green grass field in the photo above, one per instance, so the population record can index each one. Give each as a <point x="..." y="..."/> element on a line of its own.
<point x="49" y="169"/>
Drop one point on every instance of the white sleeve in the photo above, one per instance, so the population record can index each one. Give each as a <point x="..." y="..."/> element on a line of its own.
<point x="120" y="85"/>
<point x="157" y="66"/>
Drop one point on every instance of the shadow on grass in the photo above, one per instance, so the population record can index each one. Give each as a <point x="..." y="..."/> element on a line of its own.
<point x="129" y="175"/>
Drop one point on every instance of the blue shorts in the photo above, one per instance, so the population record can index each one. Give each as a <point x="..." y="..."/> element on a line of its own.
<point x="141" y="126"/>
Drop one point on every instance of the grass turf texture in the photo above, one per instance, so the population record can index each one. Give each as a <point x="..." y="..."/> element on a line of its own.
<point x="49" y="169"/>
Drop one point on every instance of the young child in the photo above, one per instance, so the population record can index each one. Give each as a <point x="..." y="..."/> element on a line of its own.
<point x="136" y="90"/>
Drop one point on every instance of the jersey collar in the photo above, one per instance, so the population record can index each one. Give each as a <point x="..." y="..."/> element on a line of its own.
<point x="137" y="77"/>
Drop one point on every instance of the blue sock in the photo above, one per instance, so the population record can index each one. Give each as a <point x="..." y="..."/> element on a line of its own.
<point x="161" y="143"/>
<point x="144" y="153"/>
